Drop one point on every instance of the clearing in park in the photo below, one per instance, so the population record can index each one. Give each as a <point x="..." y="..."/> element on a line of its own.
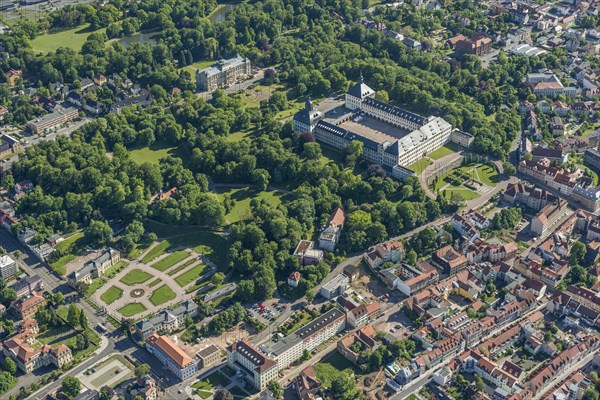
<point x="131" y="309"/>
<point x="71" y="38"/>
<point x="136" y="276"/>
<point x="162" y="295"/>
<point x="112" y="294"/>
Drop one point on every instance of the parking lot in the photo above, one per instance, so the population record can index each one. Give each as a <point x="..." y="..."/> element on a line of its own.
<point x="266" y="312"/>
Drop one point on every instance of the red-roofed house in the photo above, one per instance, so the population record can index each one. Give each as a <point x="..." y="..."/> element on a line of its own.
<point x="331" y="234"/>
<point x="178" y="362"/>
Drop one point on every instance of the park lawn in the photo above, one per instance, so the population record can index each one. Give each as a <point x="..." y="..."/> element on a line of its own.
<point x="154" y="153"/>
<point x="487" y="174"/>
<point x="136" y="276"/>
<point x="204" y="393"/>
<point x="420" y="165"/>
<point x="242" y="198"/>
<point x="465" y="193"/>
<point x="109" y="273"/>
<point x="212" y="381"/>
<point x="181" y="267"/>
<point x="190" y="275"/>
<point x="238" y="136"/>
<point x="60" y="265"/>
<point x="131" y="309"/>
<point x="69" y="242"/>
<point x="332" y="367"/>
<point x="170" y="260"/>
<point x="71" y="38"/>
<point x="156" y="251"/>
<point x="442" y="151"/>
<point x="162" y="295"/>
<point x="112" y="294"/>
<point x="211" y="245"/>
<point x="155" y="282"/>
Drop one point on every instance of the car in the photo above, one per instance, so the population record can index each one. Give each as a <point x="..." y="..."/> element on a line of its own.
<point x="398" y="326"/>
<point x="392" y="330"/>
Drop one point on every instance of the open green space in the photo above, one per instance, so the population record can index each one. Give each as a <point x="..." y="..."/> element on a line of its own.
<point x="212" y="381"/>
<point x="420" y="165"/>
<point x="112" y="294"/>
<point x="465" y="194"/>
<point x="156" y="251"/>
<point x="71" y="38"/>
<point x="60" y="265"/>
<point x="242" y="198"/>
<point x="179" y="268"/>
<point x="68" y="243"/>
<point x="443" y="151"/>
<point x="131" y="309"/>
<point x="162" y="295"/>
<point x="170" y="260"/>
<point x="238" y="136"/>
<point x="154" y="153"/>
<point x="483" y="173"/>
<point x="332" y="367"/>
<point x="190" y="275"/>
<point x="203" y="393"/>
<point x="210" y="244"/>
<point x="136" y="276"/>
<point x="236" y="391"/>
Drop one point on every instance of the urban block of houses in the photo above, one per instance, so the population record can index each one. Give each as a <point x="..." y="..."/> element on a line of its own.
<point x="469" y="224"/>
<point x="410" y="279"/>
<point x="449" y="260"/>
<point x="27" y="285"/>
<point x="23" y="350"/>
<point x="95" y="268"/>
<point x="330" y="235"/>
<point x="307" y="254"/>
<point x="353" y="343"/>
<point x="390" y="251"/>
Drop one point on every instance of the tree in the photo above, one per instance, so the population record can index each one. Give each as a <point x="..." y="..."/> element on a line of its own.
<point x="58" y="299"/>
<point x="344" y="388"/>
<point x="73" y="315"/>
<point x="479" y="385"/>
<point x="411" y="257"/>
<point x="590" y="394"/>
<point x="9" y="366"/>
<point x="578" y="252"/>
<point x="310" y="295"/>
<point x="98" y="233"/>
<point x="276" y="389"/>
<point x="217" y="278"/>
<point x="71" y="387"/>
<point x="222" y="394"/>
<point x="312" y="150"/>
<point x="141" y="370"/>
<point x="83" y="321"/>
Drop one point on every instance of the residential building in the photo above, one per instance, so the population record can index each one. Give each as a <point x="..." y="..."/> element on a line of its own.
<point x="12" y="76"/>
<point x="352" y="272"/>
<point x="8" y="146"/>
<point x="208" y="356"/>
<point x="410" y="279"/>
<point x="477" y="45"/>
<point x="27" y="285"/>
<point x="335" y="286"/>
<point x="553" y="89"/>
<point x="528" y="195"/>
<point x="257" y="368"/>
<point x="330" y="235"/>
<point x="540" y="153"/>
<point x="20" y="348"/>
<point x="354" y="343"/>
<point x="591" y="159"/>
<point x="146" y="388"/>
<point x="223" y="73"/>
<point x="307" y="384"/>
<point x="449" y="260"/>
<point x="307" y="254"/>
<point x="167" y="321"/>
<point x="362" y="314"/>
<point x="547" y="217"/>
<point x="294" y="279"/>
<point x="95" y="268"/>
<point x="168" y="353"/>
<point x="52" y="120"/>
<point x="461" y="138"/>
<point x="557" y="127"/>
<point x="390" y="251"/>
<point x="469" y="223"/>
<point x="27" y="306"/>
<point x="8" y="267"/>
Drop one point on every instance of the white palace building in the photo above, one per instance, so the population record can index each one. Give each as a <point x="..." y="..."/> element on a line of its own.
<point x="391" y="136"/>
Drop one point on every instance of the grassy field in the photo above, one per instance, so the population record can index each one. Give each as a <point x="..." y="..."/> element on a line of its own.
<point x="170" y="260"/>
<point x="197" y="65"/>
<point x="60" y="265"/>
<point x="212" y="381"/>
<point x="112" y="294"/>
<point x="242" y="198"/>
<point x="181" y="267"/>
<point x="131" y="309"/>
<point x="156" y="251"/>
<point x="211" y="245"/>
<point x="190" y="275"/>
<point x="155" y="282"/>
<point x="333" y="366"/>
<point x="66" y="244"/>
<point x="443" y="151"/>
<point x="136" y="276"/>
<point x="420" y="165"/>
<point x="162" y="295"/>
<point x="464" y="193"/>
<point x="71" y="38"/>
<point x="483" y="173"/>
<point x="154" y="153"/>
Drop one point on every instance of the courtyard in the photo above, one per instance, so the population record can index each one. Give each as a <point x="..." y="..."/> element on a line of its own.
<point x="467" y="182"/>
<point x="111" y="372"/>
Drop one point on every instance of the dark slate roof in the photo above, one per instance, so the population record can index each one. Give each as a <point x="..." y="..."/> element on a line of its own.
<point x="360" y="90"/>
<point x="346" y="134"/>
<point x="395" y="111"/>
